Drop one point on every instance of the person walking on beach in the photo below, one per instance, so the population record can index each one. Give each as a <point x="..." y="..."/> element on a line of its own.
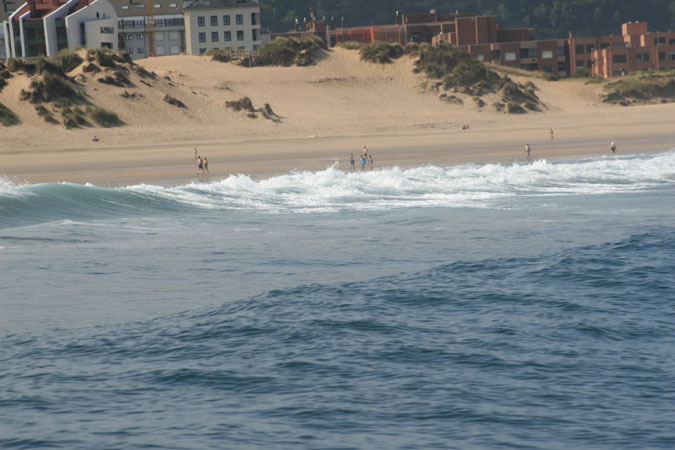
<point x="363" y="161"/>
<point x="528" y="150"/>
<point x="200" y="165"/>
<point x="351" y="162"/>
<point x="206" y="165"/>
<point x="370" y="162"/>
<point x="195" y="152"/>
<point x="551" y="133"/>
<point x="612" y="147"/>
<point x="364" y="152"/>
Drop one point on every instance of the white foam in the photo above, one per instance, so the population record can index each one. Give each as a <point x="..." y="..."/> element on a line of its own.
<point x="458" y="186"/>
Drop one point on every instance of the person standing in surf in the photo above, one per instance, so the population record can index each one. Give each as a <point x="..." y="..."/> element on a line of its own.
<point x="612" y="147"/>
<point x="200" y="165"/>
<point x="362" y="161"/>
<point x="528" y="151"/>
<point x="351" y="162"/>
<point x="370" y="162"/>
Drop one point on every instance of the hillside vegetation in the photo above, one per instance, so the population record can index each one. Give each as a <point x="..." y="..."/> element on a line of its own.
<point x="456" y="72"/>
<point x="641" y="87"/>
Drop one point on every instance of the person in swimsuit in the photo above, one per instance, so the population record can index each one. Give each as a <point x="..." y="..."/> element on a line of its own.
<point x="363" y="161"/>
<point x="95" y="139"/>
<point x="551" y="133"/>
<point x="528" y="150"/>
<point x="200" y="165"/>
<point x="206" y="165"/>
<point x="612" y="147"/>
<point x="351" y="162"/>
<point x="195" y="152"/>
<point x="370" y="162"/>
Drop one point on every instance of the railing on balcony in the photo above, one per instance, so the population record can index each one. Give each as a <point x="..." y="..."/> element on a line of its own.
<point x="136" y="24"/>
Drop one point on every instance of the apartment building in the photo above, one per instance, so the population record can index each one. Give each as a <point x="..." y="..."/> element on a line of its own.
<point x="44" y="27"/>
<point x="222" y="24"/>
<point x="635" y="49"/>
<point x="135" y="23"/>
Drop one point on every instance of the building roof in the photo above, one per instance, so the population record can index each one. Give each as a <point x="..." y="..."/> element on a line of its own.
<point x="135" y="8"/>
<point x="214" y="4"/>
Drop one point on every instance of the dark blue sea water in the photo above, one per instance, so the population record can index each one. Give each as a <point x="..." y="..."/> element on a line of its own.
<point x="479" y="306"/>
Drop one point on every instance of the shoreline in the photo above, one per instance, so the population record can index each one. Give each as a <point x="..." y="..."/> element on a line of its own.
<point x="170" y="164"/>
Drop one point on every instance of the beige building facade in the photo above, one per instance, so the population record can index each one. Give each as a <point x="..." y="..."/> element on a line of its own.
<point x="222" y="24"/>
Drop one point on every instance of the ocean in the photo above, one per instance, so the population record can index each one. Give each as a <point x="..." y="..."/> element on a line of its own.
<point x="476" y="306"/>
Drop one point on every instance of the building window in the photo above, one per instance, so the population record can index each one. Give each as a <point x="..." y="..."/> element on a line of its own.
<point x="202" y="37"/>
<point x="590" y="48"/>
<point x="157" y="6"/>
<point x="214" y="21"/>
<point x="107" y="30"/>
<point x="201" y="21"/>
<point x="579" y="49"/>
<point x="172" y="5"/>
<point x="547" y="54"/>
<point x="141" y="6"/>
<point x="523" y="53"/>
<point x="561" y="68"/>
<point x="130" y="51"/>
<point x="509" y="56"/>
<point x="528" y="52"/>
<point x="240" y="35"/>
<point x="619" y="45"/>
<point x="672" y="42"/>
<point x="561" y="51"/>
<point x="128" y="37"/>
<point x="240" y="19"/>
<point x="495" y="55"/>
<point x="671" y="56"/>
<point x="226" y="19"/>
<point x="255" y="35"/>
<point x="548" y="69"/>
<point x="642" y="58"/>
<point x="228" y="36"/>
<point x="660" y="40"/>
<point x="580" y="64"/>
<point x="125" y="7"/>
<point x="139" y="37"/>
<point x="214" y="36"/>
<point x="140" y="50"/>
<point x="202" y="51"/>
<point x="662" y="56"/>
<point x="480" y="58"/>
<point x="254" y="20"/>
<point x="619" y="59"/>
<point x="604" y="46"/>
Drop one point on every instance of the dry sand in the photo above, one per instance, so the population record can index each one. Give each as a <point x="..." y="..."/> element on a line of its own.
<point x="327" y="111"/>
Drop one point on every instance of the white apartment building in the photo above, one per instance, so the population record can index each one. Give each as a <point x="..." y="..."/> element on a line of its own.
<point x="222" y="24"/>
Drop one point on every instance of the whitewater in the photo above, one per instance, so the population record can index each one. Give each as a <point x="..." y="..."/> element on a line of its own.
<point x="475" y="306"/>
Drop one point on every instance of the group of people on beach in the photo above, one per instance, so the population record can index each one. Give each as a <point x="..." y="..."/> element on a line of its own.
<point x="366" y="159"/>
<point x="202" y="164"/>
<point x="528" y="149"/>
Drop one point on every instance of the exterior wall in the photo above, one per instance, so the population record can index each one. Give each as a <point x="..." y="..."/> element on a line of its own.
<point x="49" y="22"/>
<point x="4" y="40"/>
<point x="102" y="14"/>
<point x="612" y="62"/>
<point x="169" y="35"/>
<point x="193" y="29"/>
<point x="101" y="33"/>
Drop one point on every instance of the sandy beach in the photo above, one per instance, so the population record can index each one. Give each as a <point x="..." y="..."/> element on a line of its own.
<point x="325" y="112"/>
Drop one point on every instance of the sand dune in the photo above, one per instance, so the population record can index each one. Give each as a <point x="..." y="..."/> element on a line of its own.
<point x="326" y="111"/>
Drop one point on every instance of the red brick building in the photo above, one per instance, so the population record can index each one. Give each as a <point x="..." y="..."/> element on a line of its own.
<point x="635" y="49"/>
